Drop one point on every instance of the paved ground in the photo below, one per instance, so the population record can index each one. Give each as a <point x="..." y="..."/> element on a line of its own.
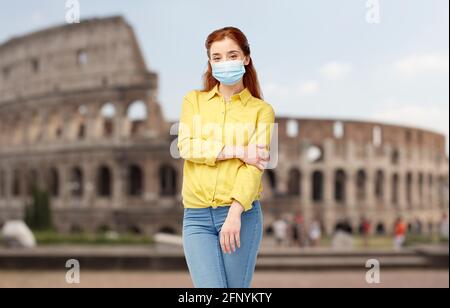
<point x="265" y="279"/>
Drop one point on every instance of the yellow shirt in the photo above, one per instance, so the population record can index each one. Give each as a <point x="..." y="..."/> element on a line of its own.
<point x="207" y="124"/>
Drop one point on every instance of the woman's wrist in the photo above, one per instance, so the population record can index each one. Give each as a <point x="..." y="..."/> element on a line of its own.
<point x="236" y="209"/>
<point x="225" y="153"/>
<point x="240" y="152"/>
<point x="230" y="152"/>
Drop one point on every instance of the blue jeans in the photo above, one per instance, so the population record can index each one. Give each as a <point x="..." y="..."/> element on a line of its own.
<point x="208" y="266"/>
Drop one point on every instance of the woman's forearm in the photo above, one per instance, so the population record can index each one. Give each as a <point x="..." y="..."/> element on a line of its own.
<point x="236" y="209"/>
<point x="230" y="152"/>
<point x="258" y="156"/>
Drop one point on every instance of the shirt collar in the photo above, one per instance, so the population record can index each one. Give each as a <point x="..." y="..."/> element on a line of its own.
<point x="244" y="95"/>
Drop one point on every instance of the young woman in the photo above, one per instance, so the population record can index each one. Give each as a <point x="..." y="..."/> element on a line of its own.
<point x="224" y="138"/>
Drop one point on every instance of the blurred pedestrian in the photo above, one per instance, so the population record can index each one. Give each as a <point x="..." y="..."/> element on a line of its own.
<point x="315" y="233"/>
<point x="364" y="230"/>
<point x="399" y="233"/>
<point x="280" y="229"/>
<point x="297" y="228"/>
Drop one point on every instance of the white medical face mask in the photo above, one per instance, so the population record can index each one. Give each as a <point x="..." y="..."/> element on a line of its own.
<point x="228" y="72"/>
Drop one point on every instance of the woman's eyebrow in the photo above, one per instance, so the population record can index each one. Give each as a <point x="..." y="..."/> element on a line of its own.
<point x="233" y="51"/>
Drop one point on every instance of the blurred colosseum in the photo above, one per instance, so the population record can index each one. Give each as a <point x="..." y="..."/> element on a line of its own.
<point x="80" y="118"/>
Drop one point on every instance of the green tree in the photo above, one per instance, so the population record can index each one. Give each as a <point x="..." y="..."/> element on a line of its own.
<point x="38" y="214"/>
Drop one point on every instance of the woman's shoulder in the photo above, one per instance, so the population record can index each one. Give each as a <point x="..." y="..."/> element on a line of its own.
<point x="262" y="104"/>
<point x="195" y="95"/>
<point x="191" y="94"/>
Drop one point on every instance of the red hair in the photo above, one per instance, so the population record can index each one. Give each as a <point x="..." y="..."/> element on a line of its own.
<point x="250" y="77"/>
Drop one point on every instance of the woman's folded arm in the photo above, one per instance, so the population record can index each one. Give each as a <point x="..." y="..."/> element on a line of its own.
<point x="248" y="179"/>
<point x="195" y="148"/>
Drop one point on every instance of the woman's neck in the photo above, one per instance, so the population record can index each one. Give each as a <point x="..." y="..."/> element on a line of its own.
<point x="228" y="91"/>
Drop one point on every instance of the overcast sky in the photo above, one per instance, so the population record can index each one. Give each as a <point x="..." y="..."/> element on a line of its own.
<point x="316" y="58"/>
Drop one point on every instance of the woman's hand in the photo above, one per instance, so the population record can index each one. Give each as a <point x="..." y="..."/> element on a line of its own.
<point x="256" y="155"/>
<point x="230" y="237"/>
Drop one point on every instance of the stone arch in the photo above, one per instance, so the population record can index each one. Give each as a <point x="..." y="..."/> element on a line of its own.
<point x="317" y="186"/>
<point x="135" y="180"/>
<point x="443" y="191"/>
<point x="340" y="182"/>
<point x="167" y="180"/>
<point x="380" y="229"/>
<point x="409" y="188"/>
<point x="395" y="157"/>
<point x="104" y="181"/>
<point x="53" y="184"/>
<point x="34" y="127"/>
<point x="16" y="180"/>
<point x="294" y="182"/>
<point x="420" y="188"/>
<point x="107" y="114"/>
<point x="18" y="132"/>
<point x="3" y="129"/>
<point x="78" y="129"/>
<point x="137" y="114"/>
<point x="76" y="182"/>
<point x="54" y="126"/>
<point x="417" y="226"/>
<point x="430" y="188"/>
<point x="2" y="183"/>
<point x="361" y="182"/>
<point x="32" y="181"/>
<point x="395" y="189"/>
<point x="343" y="225"/>
<point x="379" y="185"/>
<point x="272" y="178"/>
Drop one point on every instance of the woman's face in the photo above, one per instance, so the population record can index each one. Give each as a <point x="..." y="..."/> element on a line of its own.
<point x="227" y="50"/>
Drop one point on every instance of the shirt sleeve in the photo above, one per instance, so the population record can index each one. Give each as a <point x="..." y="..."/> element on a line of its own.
<point x="191" y="145"/>
<point x="249" y="177"/>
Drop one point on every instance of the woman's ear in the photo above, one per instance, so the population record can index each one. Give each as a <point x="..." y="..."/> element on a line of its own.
<point x="246" y="60"/>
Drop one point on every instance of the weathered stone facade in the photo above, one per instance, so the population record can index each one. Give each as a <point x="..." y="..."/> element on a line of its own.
<point x="360" y="169"/>
<point x="79" y="117"/>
